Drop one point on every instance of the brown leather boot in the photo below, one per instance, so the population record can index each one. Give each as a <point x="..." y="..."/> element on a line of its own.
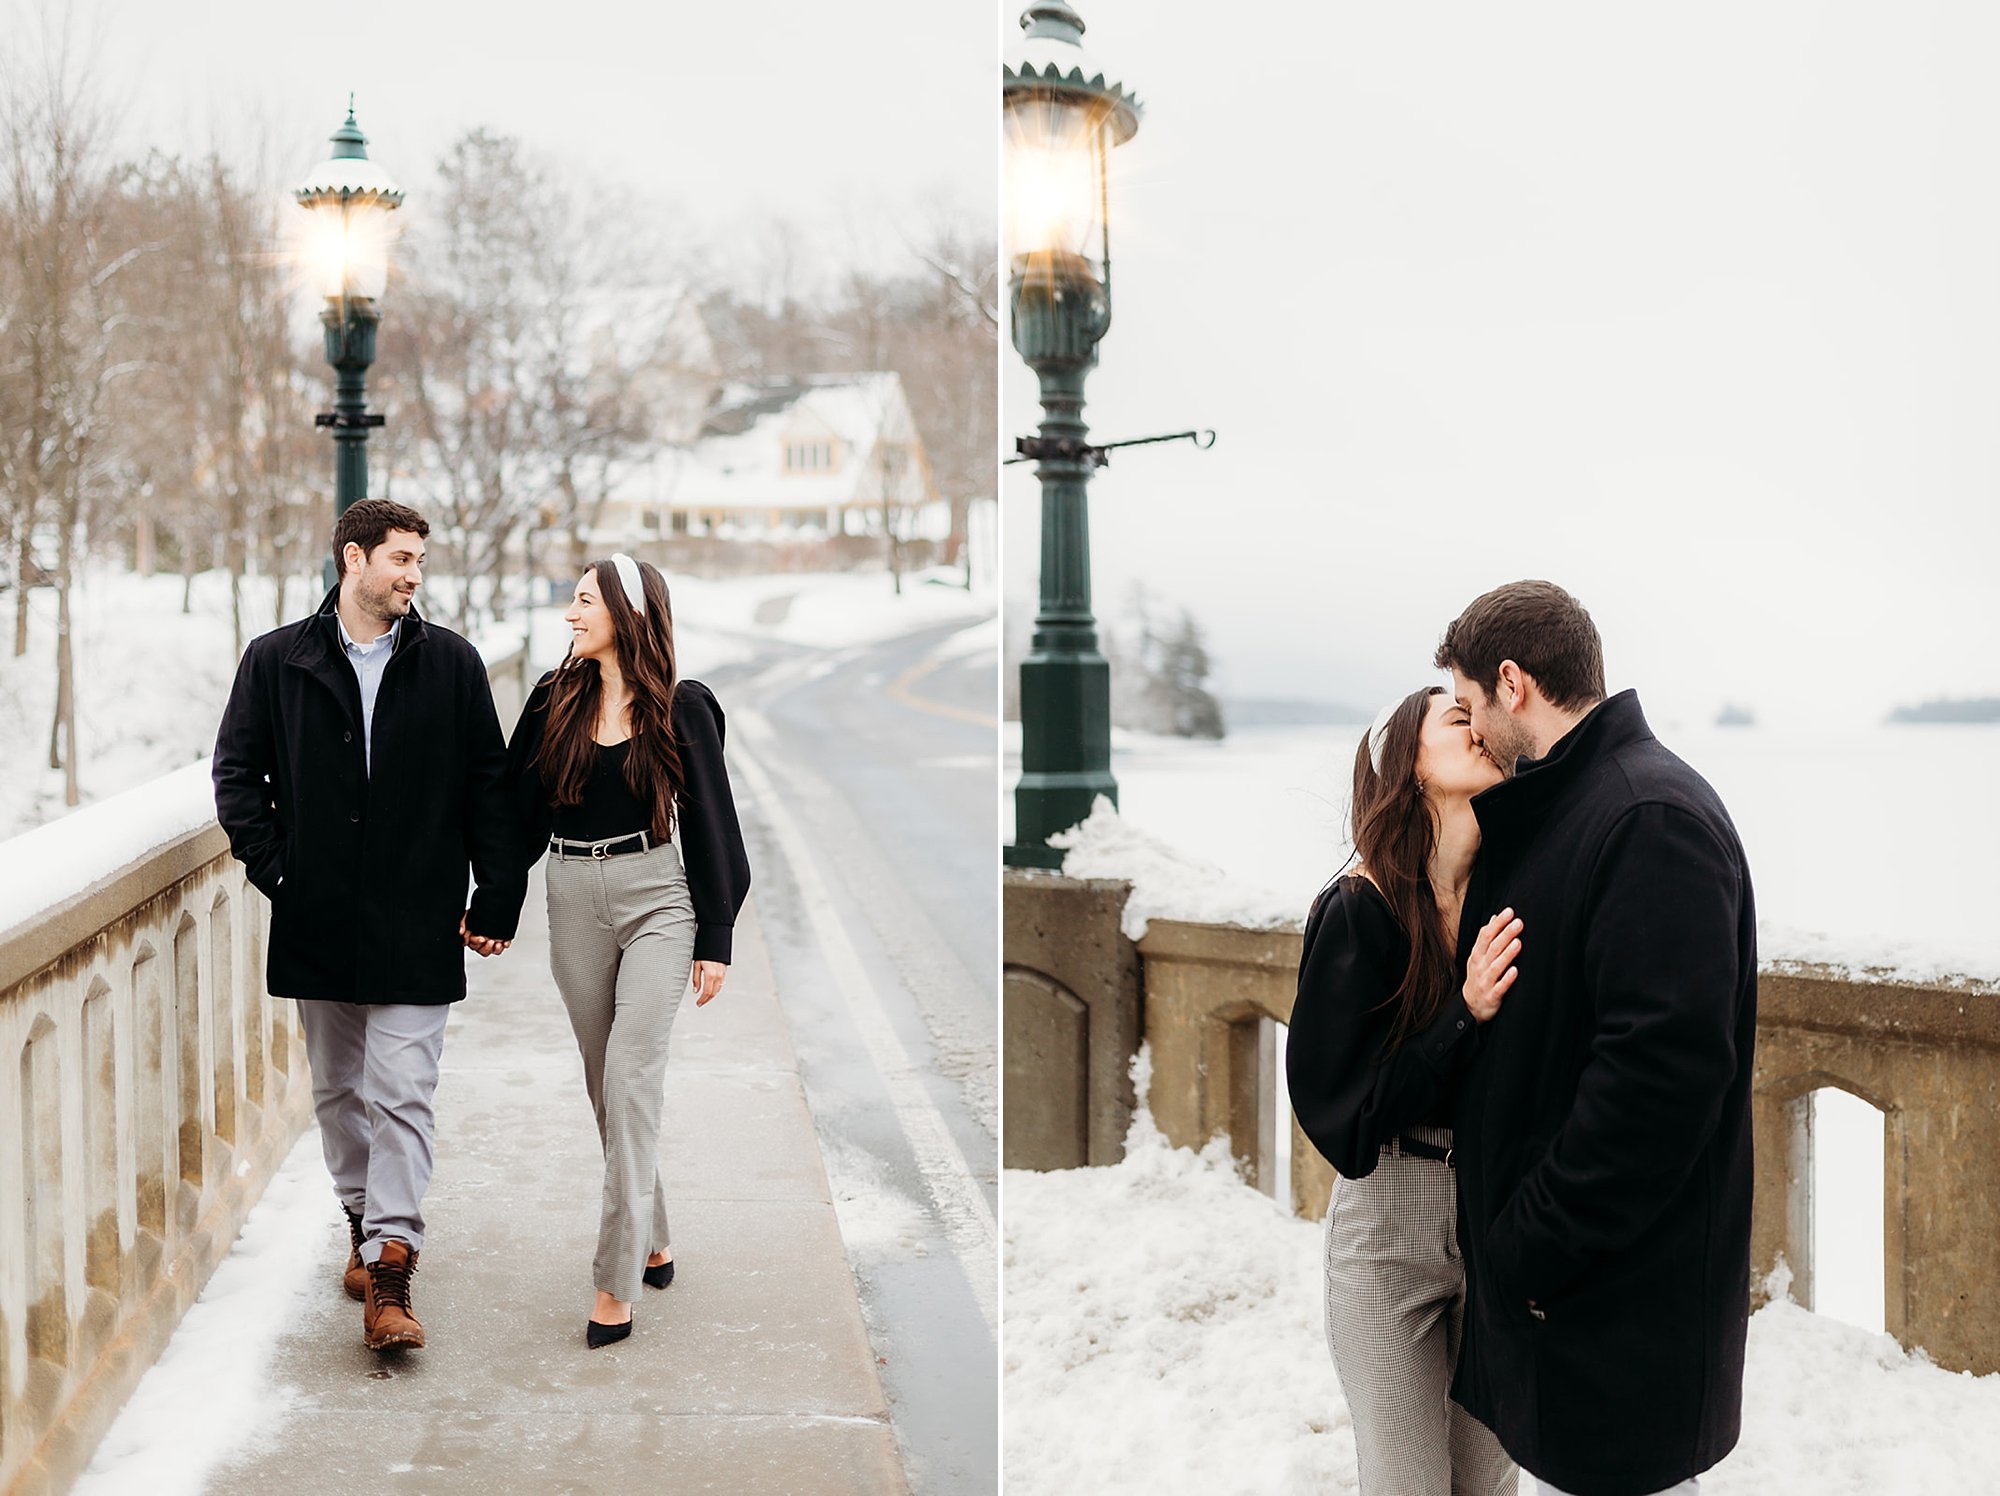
<point x="386" y="1320"/>
<point x="355" y="1277"/>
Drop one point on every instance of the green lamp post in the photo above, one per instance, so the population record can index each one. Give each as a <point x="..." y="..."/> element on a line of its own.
<point x="349" y="199"/>
<point x="1062" y="120"/>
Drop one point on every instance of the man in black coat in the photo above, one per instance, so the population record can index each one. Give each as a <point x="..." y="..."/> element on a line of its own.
<point x="358" y="769"/>
<point x="1603" y="1131"/>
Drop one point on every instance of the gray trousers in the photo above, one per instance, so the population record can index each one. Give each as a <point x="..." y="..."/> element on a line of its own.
<point x="1395" y="1309"/>
<point x="1689" y="1487"/>
<point x="621" y="943"/>
<point x="374" y="1070"/>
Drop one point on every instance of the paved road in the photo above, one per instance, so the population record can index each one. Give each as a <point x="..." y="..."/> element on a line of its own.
<point x="867" y="778"/>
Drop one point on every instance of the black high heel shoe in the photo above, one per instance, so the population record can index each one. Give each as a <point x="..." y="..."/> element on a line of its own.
<point x="597" y="1336"/>
<point x="661" y="1276"/>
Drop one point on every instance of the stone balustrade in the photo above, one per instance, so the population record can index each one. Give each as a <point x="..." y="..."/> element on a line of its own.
<point x="1206" y="997"/>
<point x="149" y="1087"/>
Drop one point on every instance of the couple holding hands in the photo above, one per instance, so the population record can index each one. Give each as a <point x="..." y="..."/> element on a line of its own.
<point x="1523" y="1036"/>
<point x="360" y="770"/>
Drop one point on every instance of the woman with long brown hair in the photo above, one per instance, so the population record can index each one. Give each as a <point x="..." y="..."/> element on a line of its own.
<point x="618" y="775"/>
<point x="1380" y="1032"/>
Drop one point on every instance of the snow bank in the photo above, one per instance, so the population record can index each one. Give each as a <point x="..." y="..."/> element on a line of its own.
<point x="1166" y="882"/>
<point x="1163" y="1335"/>
<point x="150" y="684"/>
<point x="209" y="1392"/>
<point x="982" y="638"/>
<point x="827" y="610"/>
<point x="44" y="867"/>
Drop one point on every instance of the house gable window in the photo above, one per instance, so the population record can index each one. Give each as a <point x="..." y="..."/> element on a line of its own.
<point x="809" y="457"/>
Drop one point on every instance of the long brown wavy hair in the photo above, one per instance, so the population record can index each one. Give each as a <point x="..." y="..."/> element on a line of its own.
<point x="645" y="647"/>
<point x="1395" y="833"/>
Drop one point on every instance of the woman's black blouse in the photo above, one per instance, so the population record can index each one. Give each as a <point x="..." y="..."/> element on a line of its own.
<point x="1351" y="1098"/>
<point x="711" y="841"/>
<point x="609" y="807"/>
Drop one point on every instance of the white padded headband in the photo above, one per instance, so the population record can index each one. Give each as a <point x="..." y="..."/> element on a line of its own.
<point x="1378" y="733"/>
<point x="628" y="578"/>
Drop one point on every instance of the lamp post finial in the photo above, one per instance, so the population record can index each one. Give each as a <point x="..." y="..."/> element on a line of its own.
<point x="1053" y="18"/>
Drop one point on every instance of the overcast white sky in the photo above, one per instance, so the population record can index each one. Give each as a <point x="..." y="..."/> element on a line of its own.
<point x="840" y="118"/>
<point x="1694" y="309"/>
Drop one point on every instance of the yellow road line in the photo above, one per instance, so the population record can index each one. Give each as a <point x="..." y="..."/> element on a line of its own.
<point x="899" y="691"/>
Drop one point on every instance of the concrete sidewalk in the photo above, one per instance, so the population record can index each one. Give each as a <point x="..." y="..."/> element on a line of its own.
<point x="751" y="1374"/>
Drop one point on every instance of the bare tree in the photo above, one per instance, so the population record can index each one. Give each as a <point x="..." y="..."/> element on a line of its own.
<point x="478" y="359"/>
<point x="68" y="335"/>
<point x="949" y="363"/>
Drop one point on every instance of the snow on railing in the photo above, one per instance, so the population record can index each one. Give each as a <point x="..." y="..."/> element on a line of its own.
<point x="45" y="868"/>
<point x="1170" y="884"/>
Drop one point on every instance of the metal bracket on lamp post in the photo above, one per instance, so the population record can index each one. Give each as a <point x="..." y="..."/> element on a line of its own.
<point x="348" y="420"/>
<point x="1098" y="454"/>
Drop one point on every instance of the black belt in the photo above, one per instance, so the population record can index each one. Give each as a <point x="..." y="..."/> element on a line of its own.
<point x="617" y="846"/>
<point x="1417" y="1148"/>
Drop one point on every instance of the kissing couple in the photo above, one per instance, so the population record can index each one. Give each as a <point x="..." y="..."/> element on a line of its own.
<point x="1523" y="1036"/>
<point x="360" y="771"/>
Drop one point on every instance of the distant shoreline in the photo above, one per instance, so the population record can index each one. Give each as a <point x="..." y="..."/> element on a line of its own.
<point x="1973" y="710"/>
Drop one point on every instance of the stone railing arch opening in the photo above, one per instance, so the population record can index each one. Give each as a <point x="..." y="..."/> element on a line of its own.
<point x="1849" y="1136"/>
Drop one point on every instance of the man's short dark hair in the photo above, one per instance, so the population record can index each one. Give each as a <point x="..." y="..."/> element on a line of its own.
<point x="368" y="524"/>
<point x="1539" y="627"/>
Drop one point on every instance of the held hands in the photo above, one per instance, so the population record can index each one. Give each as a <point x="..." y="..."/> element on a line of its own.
<point x="706" y="979"/>
<point x="486" y="945"/>
<point x="1490" y="969"/>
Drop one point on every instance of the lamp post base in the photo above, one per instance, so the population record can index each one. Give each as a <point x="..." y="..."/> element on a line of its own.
<point x="1065" y="749"/>
<point x="1050" y="802"/>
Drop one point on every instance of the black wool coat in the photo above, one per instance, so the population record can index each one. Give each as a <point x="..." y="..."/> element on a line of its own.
<point x="366" y="873"/>
<point x="1603" y="1128"/>
<point x="711" y="840"/>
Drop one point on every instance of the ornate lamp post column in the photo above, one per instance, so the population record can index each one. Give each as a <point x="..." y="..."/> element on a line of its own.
<point x="350" y="199"/>
<point x="1062" y="120"/>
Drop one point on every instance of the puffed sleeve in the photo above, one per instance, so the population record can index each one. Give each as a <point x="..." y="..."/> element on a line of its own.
<point x="496" y="907"/>
<point x="1350" y="1097"/>
<point x="718" y="867"/>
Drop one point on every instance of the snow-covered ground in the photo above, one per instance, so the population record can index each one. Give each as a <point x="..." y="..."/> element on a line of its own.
<point x="208" y="1393"/>
<point x="1162" y="1335"/>
<point x="151" y="680"/>
<point x="1871" y="847"/>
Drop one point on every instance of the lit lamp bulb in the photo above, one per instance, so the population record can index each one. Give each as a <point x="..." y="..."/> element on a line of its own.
<point x="348" y="200"/>
<point x="1053" y="161"/>
<point x="1062" y="120"/>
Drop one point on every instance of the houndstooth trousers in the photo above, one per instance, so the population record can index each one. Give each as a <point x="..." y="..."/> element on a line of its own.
<point x="1395" y="1308"/>
<point x="621" y="941"/>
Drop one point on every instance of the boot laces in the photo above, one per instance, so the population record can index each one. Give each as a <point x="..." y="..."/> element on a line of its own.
<point x="392" y="1283"/>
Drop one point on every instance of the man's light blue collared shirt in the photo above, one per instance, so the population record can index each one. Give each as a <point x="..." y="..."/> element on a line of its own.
<point x="369" y="661"/>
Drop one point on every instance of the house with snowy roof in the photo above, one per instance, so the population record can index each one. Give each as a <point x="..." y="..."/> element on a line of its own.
<point x="786" y="459"/>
